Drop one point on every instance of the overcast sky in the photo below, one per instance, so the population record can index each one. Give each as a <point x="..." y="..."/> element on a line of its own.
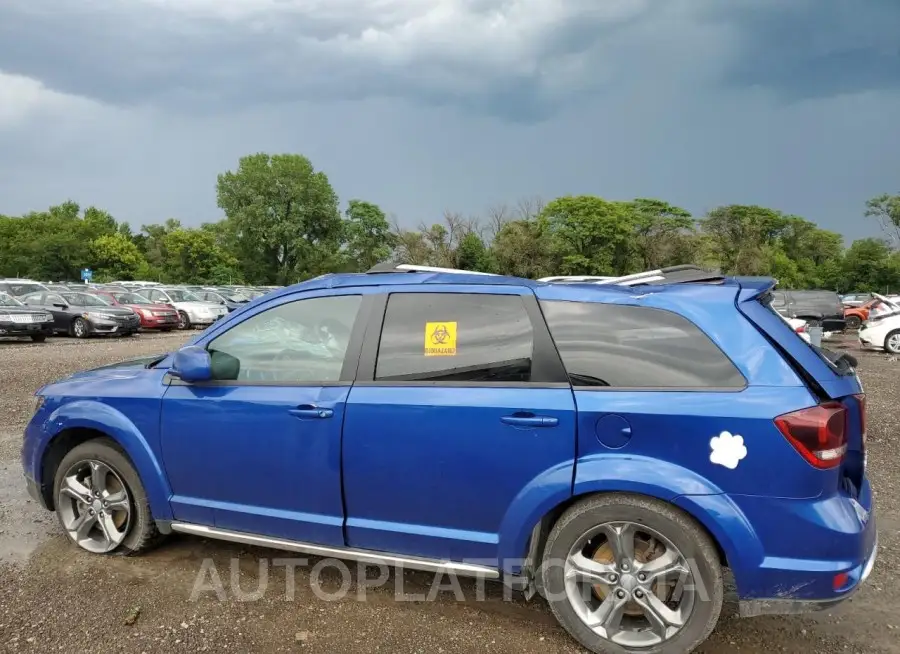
<point x="425" y="105"/>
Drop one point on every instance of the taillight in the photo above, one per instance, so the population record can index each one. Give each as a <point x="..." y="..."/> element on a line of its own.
<point x="818" y="433"/>
<point x="801" y="329"/>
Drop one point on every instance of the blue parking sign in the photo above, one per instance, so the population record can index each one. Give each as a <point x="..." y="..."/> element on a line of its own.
<point x="87" y="274"/>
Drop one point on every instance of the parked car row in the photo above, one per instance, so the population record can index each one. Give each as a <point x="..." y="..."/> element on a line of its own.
<point x="37" y="310"/>
<point x="818" y="308"/>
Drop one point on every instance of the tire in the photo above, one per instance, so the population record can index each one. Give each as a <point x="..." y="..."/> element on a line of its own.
<point x="682" y="532"/>
<point x="39" y="338"/>
<point x="139" y="530"/>
<point x="892" y="342"/>
<point x="853" y="322"/>
<point x="80" y="328"/>
<point x="812" y="322"/>
<point x="183" y="321"/>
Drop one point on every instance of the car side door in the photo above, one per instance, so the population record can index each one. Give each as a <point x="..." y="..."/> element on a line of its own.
<point x="58" y="308"/>
<point x="461" y="414"/>
<point x="257" y="449"/>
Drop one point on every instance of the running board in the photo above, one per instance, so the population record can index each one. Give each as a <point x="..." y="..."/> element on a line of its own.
<point x="364" y="556"/>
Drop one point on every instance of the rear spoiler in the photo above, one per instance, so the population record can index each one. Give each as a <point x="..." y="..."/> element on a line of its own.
<point x="813" y="365"/>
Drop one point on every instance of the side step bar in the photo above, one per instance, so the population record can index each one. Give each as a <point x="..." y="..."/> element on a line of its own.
<point x="364" y="556"/>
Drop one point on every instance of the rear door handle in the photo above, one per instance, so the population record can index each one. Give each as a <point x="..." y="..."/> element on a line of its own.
<point x="529" y="420"/>
<point x="311" y="411"/>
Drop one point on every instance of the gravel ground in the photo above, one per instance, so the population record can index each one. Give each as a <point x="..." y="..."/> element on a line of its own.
<point x="54" y="597"/>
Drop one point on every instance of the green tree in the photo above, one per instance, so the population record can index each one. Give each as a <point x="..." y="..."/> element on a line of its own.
<point x="590" y="235"/>
<point x="886" y="209"/>
<point x="283" y="216"/>
<point x="870" y="265"/>
<point x="663" y="233"/>
<point x="472" y="254"/>
<point x="740" y="234"/>
<point x="368" y="235"/>
<point x="193" y="257"/>
<point x="115" y="256"/>
<point x="520" y="248"/>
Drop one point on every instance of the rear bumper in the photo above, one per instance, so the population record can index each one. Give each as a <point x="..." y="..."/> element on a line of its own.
<point x="776" y="606"/>
<point x="795" y="555"/>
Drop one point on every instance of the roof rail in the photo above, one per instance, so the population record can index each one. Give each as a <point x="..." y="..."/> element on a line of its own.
<point x="573" y="279"/>
<point x="683" y="274"/>
<point x="412" y="268"/>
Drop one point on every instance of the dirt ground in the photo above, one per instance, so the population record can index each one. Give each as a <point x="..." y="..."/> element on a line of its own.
<point x="54" y="597"/>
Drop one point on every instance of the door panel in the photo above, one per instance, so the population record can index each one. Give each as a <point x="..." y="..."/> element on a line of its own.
<point x="238" y="453"/>
<point x="433" y="471"/>
<point x="461" y="404"/>
<point x="259" y="448"/>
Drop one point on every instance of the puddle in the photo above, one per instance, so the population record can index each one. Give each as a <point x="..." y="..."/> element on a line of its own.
<point x="23" y="524"/>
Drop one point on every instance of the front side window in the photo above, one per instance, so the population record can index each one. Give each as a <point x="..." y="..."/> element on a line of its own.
<point x="455" y="337"/>
<point x="9" y="301"/>
<point x="298" y="342"/>
<point x="610" y="345"/>
<point x="179" y="295"/>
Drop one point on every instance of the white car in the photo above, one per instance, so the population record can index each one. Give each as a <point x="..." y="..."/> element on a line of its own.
<point x="882" y="329"/>
<point x="192" y="311"/>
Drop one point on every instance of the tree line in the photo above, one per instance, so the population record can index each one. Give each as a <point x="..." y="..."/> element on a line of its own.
<point x="283" y="223"/>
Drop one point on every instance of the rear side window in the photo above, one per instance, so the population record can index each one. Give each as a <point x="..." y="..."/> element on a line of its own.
<point x="608" y="345"/>
<point x="455" y="337"/>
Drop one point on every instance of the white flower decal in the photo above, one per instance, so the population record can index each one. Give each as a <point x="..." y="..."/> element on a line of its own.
<point x="727" y="450"/>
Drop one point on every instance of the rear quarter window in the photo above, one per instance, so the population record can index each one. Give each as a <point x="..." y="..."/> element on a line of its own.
<point x="609" y="345"/>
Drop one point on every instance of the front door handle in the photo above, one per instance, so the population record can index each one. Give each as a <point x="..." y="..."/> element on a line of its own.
<point x="311" y="411"/>
<point x="529" y="420"/>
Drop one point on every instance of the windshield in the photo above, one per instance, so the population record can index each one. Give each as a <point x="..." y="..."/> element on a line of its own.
<point x="85" y="300"/>
<point x="17" y="288"/>
<point x="179" y="295"/>
<point x="9" y="301"/>
<point x="131" y="298"/>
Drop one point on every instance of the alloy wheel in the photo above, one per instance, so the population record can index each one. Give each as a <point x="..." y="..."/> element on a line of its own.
<point x="94" y="506"/>
<point x="893" y="343"/>
<point x="629" y="584"/>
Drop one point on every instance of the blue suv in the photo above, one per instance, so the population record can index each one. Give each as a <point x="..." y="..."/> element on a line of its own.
<point x="615" y="447"/>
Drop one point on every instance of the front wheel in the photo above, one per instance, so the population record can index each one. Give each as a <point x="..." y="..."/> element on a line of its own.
<point x="183" y="321"/>
<point x="80" y="328"/>
<point x="624" y="573"/>
<point x="853" y="322"/>
<point x="892" y="342"/>
<point x="100" y="501"/>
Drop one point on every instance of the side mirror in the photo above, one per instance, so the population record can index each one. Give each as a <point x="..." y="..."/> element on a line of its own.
<point x="191" y="364"/>
<point x="61" y="305"/>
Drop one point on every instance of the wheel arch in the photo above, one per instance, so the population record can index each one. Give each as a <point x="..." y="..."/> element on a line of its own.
<point x="85" y="421"/>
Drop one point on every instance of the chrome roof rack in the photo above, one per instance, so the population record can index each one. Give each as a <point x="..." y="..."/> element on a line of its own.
<point x="684" y="274"/>
<point x="412" y="268"/>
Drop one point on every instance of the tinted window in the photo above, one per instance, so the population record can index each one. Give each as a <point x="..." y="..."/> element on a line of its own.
<point x="778" y="300"/>
<point x="297" y="342"/>
<point x="635" y="347"/>
<point x="455" y="337"/>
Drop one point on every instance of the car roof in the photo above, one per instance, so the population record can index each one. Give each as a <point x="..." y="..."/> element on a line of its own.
<point x="574" y="291"/>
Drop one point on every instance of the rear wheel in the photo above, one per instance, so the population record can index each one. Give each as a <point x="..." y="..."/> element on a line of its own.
<point x="853" y="322"/>
<point x="624" y="573"/>
<point x="39" y="338"/>
<point x="892" y="342"/>
<point x="100" y="501"/>
<point x="80" y="328"/>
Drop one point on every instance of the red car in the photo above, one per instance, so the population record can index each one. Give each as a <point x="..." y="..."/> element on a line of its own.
<point x="163" y="317"/>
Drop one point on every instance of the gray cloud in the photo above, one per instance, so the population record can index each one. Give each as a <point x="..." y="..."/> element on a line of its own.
<point x="520" y="59"/>
<point x="136" y="105"/>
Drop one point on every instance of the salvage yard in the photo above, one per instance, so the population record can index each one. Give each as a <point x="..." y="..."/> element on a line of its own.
<point x="54" y="597"/>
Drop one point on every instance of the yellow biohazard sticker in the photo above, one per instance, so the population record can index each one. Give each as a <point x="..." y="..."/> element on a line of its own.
<point x="440" y="339"/>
